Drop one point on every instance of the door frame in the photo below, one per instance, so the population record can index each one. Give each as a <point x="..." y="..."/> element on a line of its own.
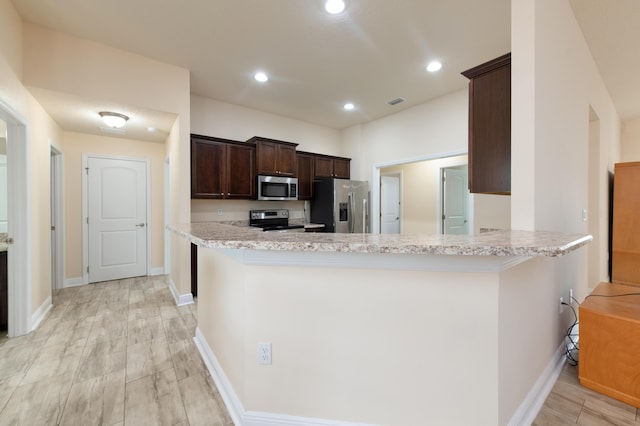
<point x="375" y="187"/>
<point x="167" y="216"/>
<point x="19" y="217"/>
<point x="440" y="199"/>
<point x="85" y="208"/>
<point x="57" y="205"/>
<point x="399" y="176"/>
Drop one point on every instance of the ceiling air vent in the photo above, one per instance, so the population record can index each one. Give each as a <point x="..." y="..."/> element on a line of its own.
<point x="396" y="101"/>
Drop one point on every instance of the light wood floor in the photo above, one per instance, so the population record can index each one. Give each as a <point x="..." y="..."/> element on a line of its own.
<point x="122" y="353"/>
<point x="114" y="353"/>
<point x="569" y="403"/>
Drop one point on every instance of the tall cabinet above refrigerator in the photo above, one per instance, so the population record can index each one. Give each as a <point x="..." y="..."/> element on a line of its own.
<point x="341" y="205"/>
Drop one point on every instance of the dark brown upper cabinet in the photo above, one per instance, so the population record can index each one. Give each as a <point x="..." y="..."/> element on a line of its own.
<point x="490" y="126"/>
<point x="332" y="167"/>
<point x="222" y="169"/>
<point x="306" y="174"/>
<point x="275" y="158"/>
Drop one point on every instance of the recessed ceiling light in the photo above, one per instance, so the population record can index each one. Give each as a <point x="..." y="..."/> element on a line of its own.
<point x="349" y="106"/>
<point x="334" y="6"/>
<point x="261" y="77"/>
<point x="434" y="66"/>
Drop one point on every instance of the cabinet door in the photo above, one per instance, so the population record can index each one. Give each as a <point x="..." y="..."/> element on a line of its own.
<point x="305" y="176"/>
<point x="490" y="127"/>
<point x="342" y="168"/>
<point x="286" y="160"/>
<point x="241" y="172"/>
<point x="267" y="155"/>
<point x="324" y="166"/>
<point x="208" y="169"/>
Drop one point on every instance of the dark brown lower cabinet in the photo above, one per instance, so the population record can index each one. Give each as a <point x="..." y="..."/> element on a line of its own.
<point x="4" y="294"/>
<point x="194" y="270"/>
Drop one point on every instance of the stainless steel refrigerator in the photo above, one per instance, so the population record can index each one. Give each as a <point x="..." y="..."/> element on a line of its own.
<point x="341" y="205"/>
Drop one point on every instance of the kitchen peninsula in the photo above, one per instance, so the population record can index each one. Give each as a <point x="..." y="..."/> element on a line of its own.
<point x="377" y="329"/>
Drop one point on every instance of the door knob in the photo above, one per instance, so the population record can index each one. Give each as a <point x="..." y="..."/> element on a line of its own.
<point x="140" y="225"/>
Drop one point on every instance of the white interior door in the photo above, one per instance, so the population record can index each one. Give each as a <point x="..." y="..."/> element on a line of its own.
<point x="117" y="218"/>
<point x="455" y="202"/>
<point x="389" y="204"/>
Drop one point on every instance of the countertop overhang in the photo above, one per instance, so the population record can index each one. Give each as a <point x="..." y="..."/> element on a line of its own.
<point x="220" y="235"/>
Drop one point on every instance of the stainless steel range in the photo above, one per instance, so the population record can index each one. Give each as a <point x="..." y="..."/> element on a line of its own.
<point x="276" y="220"/>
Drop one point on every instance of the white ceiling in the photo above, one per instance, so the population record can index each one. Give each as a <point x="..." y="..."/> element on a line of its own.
<point x="373" y="52"/>
<point x="612" y="31"/>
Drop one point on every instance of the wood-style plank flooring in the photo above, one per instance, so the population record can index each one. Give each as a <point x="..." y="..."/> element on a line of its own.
<point x="122" y="353"/>
<point x="569" y="404"/>
<point x="113" y="353"/>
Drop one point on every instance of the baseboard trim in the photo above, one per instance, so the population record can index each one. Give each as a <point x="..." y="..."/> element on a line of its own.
<point x="229" y="396"/>
<point x="234" y="406"/>
<point x="255" y="418"/>
<point x="533" y="402"/>
<point x="41" y="313"/>
<point x="73" y="282"/>
<point x="156" y="271"/>
<point x="180" y="299"/>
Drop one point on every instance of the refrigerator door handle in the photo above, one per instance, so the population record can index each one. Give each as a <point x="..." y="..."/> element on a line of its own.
<point x="365" y="215"/>
<point x="351" y="203"/>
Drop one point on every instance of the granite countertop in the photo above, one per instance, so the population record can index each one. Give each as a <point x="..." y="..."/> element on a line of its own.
<point x="4" y="246"/>
<point x="492" y="243"/>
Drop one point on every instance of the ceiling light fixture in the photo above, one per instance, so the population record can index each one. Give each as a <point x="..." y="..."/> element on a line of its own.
<point x="261" y="77"/>
<point x="113" y="119"/>
<point x="334" y="6"/>
<point x="434" y="66"/>
<point x="349" y="106"/>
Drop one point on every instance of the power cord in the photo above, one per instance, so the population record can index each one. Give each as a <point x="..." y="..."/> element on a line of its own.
<point x="571" y="348"/>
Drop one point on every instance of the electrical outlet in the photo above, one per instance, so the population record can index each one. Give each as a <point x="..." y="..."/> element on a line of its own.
<point x="264" y="353"/>
<point x="561" y="304"/>
<point x="219" y="212"/>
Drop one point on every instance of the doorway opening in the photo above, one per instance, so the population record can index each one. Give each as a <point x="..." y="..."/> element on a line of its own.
<point x="18" y="217"/>
<point x="597" y="182"/>
<point x="420" y="191"/>
<point x="57" y="219"/>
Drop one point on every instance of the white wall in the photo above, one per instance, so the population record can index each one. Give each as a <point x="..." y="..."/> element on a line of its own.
<point x="439" y="126"/>
<point x="42" y="131"/>
<point x="223" y="120"/>
<point x="630" y="147"/>
<point x="554" y="84"/>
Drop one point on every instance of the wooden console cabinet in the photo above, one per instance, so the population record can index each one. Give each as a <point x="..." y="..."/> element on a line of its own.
<point x="626" y="224"/>
<point x="609" y="360"/>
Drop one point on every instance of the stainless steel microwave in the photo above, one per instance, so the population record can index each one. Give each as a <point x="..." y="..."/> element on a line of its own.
<point x="277" y="188"/>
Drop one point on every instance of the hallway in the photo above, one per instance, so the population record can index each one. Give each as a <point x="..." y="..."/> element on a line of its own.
<point x="112" y="353"/>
